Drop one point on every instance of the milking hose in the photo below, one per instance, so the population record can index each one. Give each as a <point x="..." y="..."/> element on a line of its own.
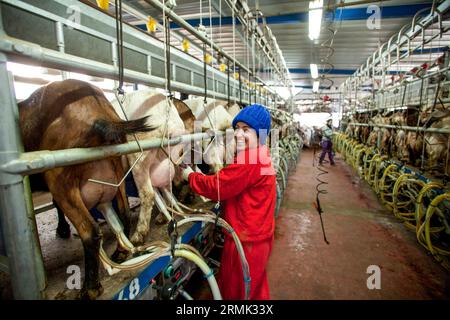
<point x="238" y="243"/>
<point x="145" y="259"/>
<point x="209" y="275"/>
<point x="423" y="230"/>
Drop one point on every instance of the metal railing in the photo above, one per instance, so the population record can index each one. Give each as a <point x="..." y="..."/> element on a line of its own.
<point x="38" y="33"/>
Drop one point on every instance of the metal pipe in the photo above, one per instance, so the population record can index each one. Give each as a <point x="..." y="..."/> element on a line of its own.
<point x="178" y="35"/>
<point x="157" y="4"/>
<point x="218" y="10"/>
<point x="16" y="211"/>
<point x="192" y="30"/>
<point x="425" y="22"/>
<point x="39" y="161"/>
<point x="413" y="24"/>
<point x="270" y="54"/>
<point x="354" y="3"/>
<point x="28" y="53"/>
<point x="406" y="128"/>
<point x="406" y="54"/>
<point x="384" y="94"/>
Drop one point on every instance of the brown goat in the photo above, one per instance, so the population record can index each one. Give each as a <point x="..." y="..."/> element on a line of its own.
<point x="74" y="114"/>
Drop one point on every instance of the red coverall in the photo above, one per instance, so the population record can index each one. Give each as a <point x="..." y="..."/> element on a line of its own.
<point x="248" y="196"/>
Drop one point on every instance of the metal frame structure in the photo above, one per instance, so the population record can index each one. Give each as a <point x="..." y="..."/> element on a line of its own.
<point x="40" y="33"/>
<point x="406" y="128"/>
<point x="388" y="55"/>
<point x="36" y="32"/>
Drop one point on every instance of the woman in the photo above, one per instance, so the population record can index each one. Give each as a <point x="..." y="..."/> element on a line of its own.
<point x="247" y="191"/>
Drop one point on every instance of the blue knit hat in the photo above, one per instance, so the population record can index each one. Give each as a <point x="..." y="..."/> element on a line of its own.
<point x="257" y="117"/>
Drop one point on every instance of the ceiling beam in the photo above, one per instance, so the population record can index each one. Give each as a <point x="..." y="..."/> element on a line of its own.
<point x="349" y="14"/>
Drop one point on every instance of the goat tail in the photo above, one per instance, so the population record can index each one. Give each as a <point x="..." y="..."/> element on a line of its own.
<point x="116" y="131"/>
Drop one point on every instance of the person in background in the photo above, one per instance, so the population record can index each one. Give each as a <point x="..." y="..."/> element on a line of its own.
<point x="247" y="192"/>
<point x="327" y="144"/>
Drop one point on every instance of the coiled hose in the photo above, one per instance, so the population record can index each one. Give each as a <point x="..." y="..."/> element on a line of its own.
<point x="404" y="193"/>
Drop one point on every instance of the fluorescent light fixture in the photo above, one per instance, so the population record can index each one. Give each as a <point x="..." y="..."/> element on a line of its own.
<point x="315" y="18"/>
<point x="283" y="92"/>
<point x="314" y="70"/>
<point x="316" y="86"/>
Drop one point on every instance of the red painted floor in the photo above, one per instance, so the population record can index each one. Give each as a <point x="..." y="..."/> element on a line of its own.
<point x="361" y="233"/>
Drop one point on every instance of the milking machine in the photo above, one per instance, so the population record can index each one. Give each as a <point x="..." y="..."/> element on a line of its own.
<point x="158" y="269"/>
<point x="286" y="151"/>
<point x="417" y="199"/>
<point x="420" y="202"/>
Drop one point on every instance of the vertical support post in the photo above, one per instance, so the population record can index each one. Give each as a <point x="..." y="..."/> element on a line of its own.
<point x="16" y="210"/>
<point x="61" y="44"/>
<point x="240" y="87"/>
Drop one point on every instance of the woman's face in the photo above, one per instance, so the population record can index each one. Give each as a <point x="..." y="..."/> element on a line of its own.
<point x="245" y="137"/>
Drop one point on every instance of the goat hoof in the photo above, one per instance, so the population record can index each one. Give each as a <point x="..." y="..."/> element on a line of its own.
<point x="91" y="294"/>
<point x="63" y="232"/>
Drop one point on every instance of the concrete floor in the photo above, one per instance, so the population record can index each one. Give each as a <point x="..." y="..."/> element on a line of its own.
<point x="361" y="233"/>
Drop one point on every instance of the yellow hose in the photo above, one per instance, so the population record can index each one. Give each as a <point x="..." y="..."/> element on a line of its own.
<point x="383" y="189"/>
<point x="358" y="160"/>
<point x="398" y="192"/>
<point x="378" y="162"/>
<point x="428" y="230"/>
<point x="371" y="166"/>
<point x="419" y="210"/>
<point x="409" y="218"/>
<point x="366" y="160"/>
<point x="356" y="154"/>
<point x="344" y="149"/>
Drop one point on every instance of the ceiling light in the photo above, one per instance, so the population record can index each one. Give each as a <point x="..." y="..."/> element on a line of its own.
<point x="315" y="18"/>
<point x="316" y="86"/>
<point x="314" y="70"/>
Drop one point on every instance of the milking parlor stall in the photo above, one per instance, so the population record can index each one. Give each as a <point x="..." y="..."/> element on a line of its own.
<point x="111" y="110"/>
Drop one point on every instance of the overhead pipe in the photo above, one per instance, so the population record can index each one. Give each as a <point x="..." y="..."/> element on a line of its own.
<point x="271" y="57"/>
<point x="423" y="23"/>
<point x="178" y="35"/>
<point x="406" y="128"/>
<point x="29" y="52"/>
<point x="39" y="161"/>
<point x="170" y="13"/>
